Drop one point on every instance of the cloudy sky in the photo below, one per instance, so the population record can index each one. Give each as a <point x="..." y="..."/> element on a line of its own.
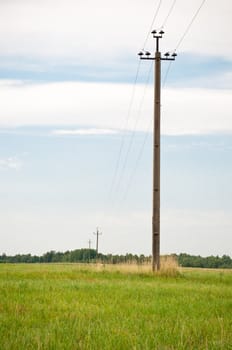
<point x="76" y="125"/>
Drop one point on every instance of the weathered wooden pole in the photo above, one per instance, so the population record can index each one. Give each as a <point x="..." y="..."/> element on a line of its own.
<point x="145" y="55"/>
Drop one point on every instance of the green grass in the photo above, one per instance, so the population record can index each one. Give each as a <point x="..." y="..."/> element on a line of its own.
<point x="56" y="307"/>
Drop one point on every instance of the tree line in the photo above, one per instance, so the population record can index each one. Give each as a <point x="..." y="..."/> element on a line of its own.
<point x="77" y="255"/>
<point x="214" y="262"/>
<point x="91" y="256"/>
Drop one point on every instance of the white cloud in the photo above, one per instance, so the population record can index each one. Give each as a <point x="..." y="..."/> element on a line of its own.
<point x="197" y="111"/>
<point x="205" y="232"/>
<point x="104" y="106"/>
<point x="10" y="163"/>
<point x="217" y="80"/>
<point x="68" y="103"/>
<point x="88" y="30"/>
<point x="84" y="132"/>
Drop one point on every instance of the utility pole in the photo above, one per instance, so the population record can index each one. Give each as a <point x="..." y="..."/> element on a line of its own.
<point x="89" y="248"/>
<point x="97" y="234"/>
<point x="156" y="145"/>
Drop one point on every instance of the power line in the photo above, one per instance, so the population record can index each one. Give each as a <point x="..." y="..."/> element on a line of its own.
<point x="132" y="97"/>
<point x="166" y="74"/>
<point x="140" y="154"/>
<point x="167" y="71"/>
<point x="130" y="105"/>
<point x="168" y="15"/>
<point x="134" y="130"/>
<point x="147" y="133"/>
<point x="122" y="141"/>
<point x="132" y="137"/>
<point x="125" y="128"/>
<point x="189" y="25"/>
<point x="123" y="133"/>
<point x="181" y="40"/>
<point x="152" y="23"/>
<point x="133" y="93"/>
<point x="164" y="80"/>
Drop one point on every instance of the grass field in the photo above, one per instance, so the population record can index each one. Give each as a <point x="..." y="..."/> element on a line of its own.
<point x="55" y="306"/>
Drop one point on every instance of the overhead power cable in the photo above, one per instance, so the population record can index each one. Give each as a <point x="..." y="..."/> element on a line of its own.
<point x="130" y="106"/>
<point x="132" y="135"/>
<point x="123" y="130"/>
<point x="132" y="98"/>
<point x="189" y="25"/>
<point x="168" y="15"/>
<point x="131" y="177"/>
<point x="152" y="23"/>
<point x="138" y="159"/>
<point x="181" y="40"/>
<point x="166" y="74"/>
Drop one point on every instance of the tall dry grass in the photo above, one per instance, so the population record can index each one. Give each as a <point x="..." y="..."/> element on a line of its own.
<point x="168" y="267"/>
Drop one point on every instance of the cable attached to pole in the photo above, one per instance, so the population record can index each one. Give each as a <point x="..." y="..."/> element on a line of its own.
<point x="189" y="25"/>
<point x="152" y="24"/>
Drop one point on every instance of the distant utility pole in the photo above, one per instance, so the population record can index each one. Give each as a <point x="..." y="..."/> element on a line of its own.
<point x="97" y="234"/>
<point x="145" y="55"/>
<point x="89" y="249"/>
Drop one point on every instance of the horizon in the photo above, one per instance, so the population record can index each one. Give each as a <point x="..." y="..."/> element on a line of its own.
<point x="76" y="126"/>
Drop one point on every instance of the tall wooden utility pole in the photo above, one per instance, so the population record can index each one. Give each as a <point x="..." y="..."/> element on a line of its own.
<point x="97" y="234"/>
<point x="156" y="146"/>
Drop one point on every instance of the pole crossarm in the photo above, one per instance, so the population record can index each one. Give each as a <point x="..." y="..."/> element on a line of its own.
<point x="157" y="58"/>
<point x="161" y="58"/>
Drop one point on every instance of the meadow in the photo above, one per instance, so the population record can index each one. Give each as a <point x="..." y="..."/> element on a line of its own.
<point x="73" y="306"/>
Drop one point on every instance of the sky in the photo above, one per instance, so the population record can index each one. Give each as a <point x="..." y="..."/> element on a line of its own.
<point x="76" y="116"/>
